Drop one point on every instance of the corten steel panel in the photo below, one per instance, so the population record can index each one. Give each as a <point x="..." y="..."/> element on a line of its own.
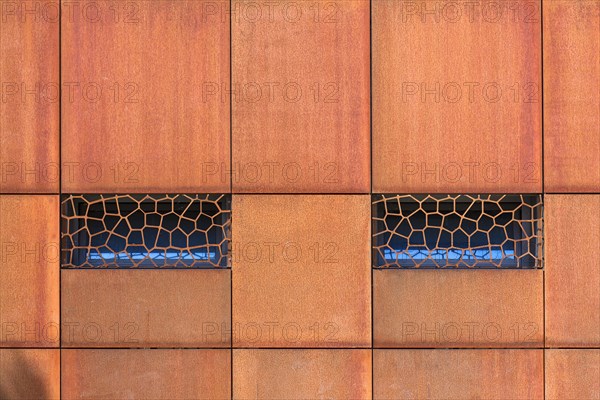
<point x="29" y="374"/>
<point x="146" y="374"/>
<point x="484" y="308"/>
<point x="572" y="270"/>
<point x="301" y="271"/>
<point x="301" y="107"/>
<point x="456" y="96"/>
<point x="29" y="271"/>
<point x="572" y="374"/>
<point x="572" y="95"/>
<point x="458" y="374"/>
<point x="135" y="118"/>
<point x="302" y="374"/>
<point x="29" y="97"/>
<point x="145" y="308"/>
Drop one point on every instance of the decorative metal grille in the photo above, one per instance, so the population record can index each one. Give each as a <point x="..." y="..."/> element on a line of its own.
<point x="460" y="231"/>
<point x="145" y="231"/>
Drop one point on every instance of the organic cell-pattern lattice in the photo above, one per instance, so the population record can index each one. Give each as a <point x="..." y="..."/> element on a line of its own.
<point x="145" y="231"/>
<point x="460" y="231"/>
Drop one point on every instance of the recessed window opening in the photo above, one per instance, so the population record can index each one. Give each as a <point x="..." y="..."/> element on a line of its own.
<point x="462" y="231"/>
<point x="146" y="231"/>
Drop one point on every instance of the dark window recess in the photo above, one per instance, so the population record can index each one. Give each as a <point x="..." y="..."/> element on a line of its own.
<point x="460" y="231"/>
<point x="145" y="231"/>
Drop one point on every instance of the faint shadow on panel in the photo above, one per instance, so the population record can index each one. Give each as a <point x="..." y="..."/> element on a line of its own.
<point x="22" y="381"/>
